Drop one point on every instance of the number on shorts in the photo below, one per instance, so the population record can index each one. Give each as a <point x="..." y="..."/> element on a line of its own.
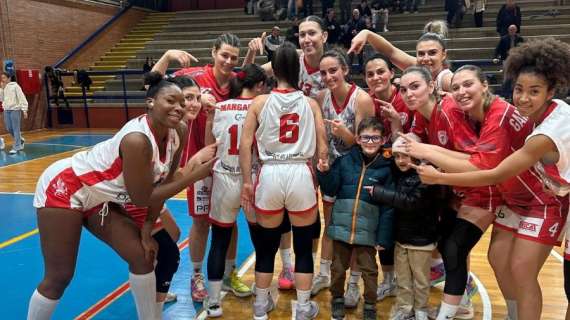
<point x="553" y="229"/>
<point x="289" y="128"/>
<point x="233" y="150"/>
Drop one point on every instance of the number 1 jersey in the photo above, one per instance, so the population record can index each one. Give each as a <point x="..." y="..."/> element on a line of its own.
<point x="286" y="129"/>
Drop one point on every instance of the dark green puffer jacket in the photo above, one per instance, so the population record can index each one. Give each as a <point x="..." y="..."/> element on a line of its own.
<point x="356" y="219"/>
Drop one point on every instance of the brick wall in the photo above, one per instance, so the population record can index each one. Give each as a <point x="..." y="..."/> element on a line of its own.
<point x="36" y="33"/>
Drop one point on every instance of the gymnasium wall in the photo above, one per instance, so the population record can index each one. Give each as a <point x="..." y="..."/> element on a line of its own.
<point x="36" y="33"/>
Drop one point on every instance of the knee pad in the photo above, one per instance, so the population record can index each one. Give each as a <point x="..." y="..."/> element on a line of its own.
<point x="253" y="234"/>
<point x="316" y="227"/>
<point x="454" y="250"/>
<point x="168" y="259"/>
<point x="387" y="257"/>
<point x="567" y="279"/>
<point x="221" y="238"/>
<point x="303" y="246"/>
<point x="268" y="240"/>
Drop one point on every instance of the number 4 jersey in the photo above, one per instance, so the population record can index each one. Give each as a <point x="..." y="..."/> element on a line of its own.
<point x="286" y="129"/>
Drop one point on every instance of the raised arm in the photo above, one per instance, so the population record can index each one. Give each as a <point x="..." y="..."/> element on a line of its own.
<point x="398" y="57"/>
<point x="183" y="58"/>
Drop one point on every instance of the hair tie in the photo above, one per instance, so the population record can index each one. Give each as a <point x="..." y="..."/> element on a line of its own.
<point x="241" y="75"/>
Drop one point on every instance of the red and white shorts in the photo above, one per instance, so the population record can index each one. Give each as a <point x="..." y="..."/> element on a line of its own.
<point x="139" y="214"/>
<point x="198" y="195"/>
<point x="486" y="198"/>
<point x="542" y="224"/>
<point x="59" y="187"/>
<point x="225" y="200"/>
<point x="290" y="186"/>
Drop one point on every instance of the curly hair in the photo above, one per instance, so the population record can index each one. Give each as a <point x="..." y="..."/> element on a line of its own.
<point x="549" y="58"/>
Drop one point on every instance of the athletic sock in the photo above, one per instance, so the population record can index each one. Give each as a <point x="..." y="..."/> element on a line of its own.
<point x="447" y="311"/>
<point x="512" y="309"/>
<point x="286" y="258"/>
<point x="214" y="289"/>
<point x="388" y="277"/>
<point x="143" y="287"/>
<point x="303" y="297"/>
<point x="325" y="268"/>
<point x="159" y="307"/>
<point x="436" y="262"/>
<point x="261" y="295"/>
<point x="354" y="277"/>
<point x="230" y="266"/>
<point x="197" y="265"/>
<point x="41" y="308"/>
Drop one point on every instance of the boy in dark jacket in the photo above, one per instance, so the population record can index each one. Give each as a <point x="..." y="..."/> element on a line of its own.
<point x="416" y="214"/>
<point x="358" y="226"/>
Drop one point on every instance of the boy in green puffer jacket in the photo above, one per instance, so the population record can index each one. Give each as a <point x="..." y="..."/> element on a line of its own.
<point x="358" y="226"/>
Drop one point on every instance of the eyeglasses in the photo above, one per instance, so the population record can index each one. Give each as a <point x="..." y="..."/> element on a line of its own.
<point x="368" y="139"/>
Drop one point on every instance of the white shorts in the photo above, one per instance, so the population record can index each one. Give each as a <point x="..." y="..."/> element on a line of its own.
<point x="547" y="231"/>
<point x="59" y="187"/>
<point x="198" y="198"/>
<point x="290" y="186"/>
<point x="225" y="199"/>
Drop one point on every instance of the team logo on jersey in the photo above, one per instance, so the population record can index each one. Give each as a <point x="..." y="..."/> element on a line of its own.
<point x="442" y="137"/>
<point x="60" y="188"/>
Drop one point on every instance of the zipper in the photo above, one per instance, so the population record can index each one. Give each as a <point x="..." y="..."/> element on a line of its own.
<point x="357" y="199"/>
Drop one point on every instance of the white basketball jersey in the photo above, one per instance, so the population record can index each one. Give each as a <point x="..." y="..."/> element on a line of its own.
<point x="310" y="81"/>
<point x="286" y="130"/>
<point x="101" y="168"/>
<point x="346" y="113"/>
<point x="227" y="128"/>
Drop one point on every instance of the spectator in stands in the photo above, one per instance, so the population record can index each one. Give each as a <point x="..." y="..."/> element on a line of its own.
<point x="345" y="7"/>
<point x="333" y="27"/>
<point x="326" y="5"/>
<point x="292" y="10"/>
<point x="410" y="6"/>
<point x="380" y="14"/>
<point x="293" y="33"/>
<point x="354" y="26"/>
<point x="307" y="8"/>
<point x="478" y="10"/>
<point x="15" y="106"/>
<point x="56" y="84"/>
<point x="454" y="10"/>
<point x="274" y="41"/>
<point x="511" y="40"/>
<point x="509" y="14"/>
<point x="146" y="66"/>
<point x="364" y="9"/>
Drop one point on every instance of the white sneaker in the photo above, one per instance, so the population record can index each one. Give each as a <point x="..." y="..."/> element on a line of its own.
<point x="260" y="311"/>
<point x="465" y="310"/>
<point x="306" y="312"/>
<point x="352" y="295"/>
<point x="214" y="310"/>
<point x="13" y="151"/>
<point x="2" y="144"/>
<point x="421" y="315"/>
<point x="401" y="314"/>
<point x="320" y="282"/>
<point x="386" y="289"/>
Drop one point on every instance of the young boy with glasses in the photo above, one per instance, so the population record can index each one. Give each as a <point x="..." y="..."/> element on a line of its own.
<point x="358" y="226"/>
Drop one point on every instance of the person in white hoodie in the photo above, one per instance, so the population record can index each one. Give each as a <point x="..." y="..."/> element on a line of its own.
<point x="15" y="104"/>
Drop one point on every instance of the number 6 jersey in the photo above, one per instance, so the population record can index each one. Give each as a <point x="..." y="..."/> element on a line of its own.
<point x="286" y="129"/>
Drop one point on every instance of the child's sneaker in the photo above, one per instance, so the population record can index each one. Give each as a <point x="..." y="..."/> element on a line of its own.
<point x="369" y="312"/>
<point x="352" y="295"/>
<point x="401" y="314"/>
<point x="386" y="289"/>
<point x="421" y="315"/>
<point x="337" y="309"/>
<point x="319" y="283"/>
<point x="307" y="312"/>
<point x="437" y="274"/>
<point x="234" y="284"/>
<point x="286" y="279"/>
<point x="198" y="287"/>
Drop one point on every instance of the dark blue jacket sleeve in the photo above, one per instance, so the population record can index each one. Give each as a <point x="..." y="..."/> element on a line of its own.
<point x="329" y="181"/>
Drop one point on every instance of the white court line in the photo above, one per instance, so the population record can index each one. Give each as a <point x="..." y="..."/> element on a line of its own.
<point x="56" y="144"/>
<point x="18" y="192"/>
<point x="557" y="255"/>
<point x="242" y="270"/>
<point x="487" y="307"/>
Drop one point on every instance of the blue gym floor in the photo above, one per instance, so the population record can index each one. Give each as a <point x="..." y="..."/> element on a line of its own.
<point x="99" y="270"/>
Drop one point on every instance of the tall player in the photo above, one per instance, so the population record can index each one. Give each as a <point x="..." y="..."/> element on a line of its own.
<point x="536" y="81"/>
<point x="343" y="105"/>
<point x="214" y="82"/>
<point x="225" y="125"/>
<point x="288" y="128"/>
<point x="137" y="165"/>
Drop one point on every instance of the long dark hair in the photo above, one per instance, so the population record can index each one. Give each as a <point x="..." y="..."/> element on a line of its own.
<point x="248" y="77"/>
<point x="285" y="64"/>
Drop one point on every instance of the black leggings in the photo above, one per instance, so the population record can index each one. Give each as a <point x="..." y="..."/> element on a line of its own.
<point x="221" y="237"/>
<point x="168" y="259"/>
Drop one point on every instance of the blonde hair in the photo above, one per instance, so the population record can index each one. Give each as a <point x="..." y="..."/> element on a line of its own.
<point x="437" y="26"/>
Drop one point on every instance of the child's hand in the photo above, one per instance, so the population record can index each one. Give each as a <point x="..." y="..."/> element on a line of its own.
<point x="379" y="247"/>
<point x="369" y="189"/>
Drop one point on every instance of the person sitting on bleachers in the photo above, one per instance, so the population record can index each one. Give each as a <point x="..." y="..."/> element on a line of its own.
<point x="511" y="40"/>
